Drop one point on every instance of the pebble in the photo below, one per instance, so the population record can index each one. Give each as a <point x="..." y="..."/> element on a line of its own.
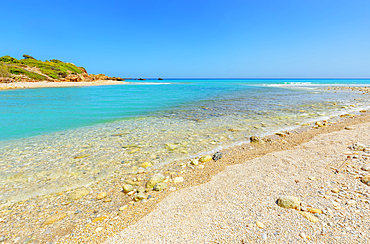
<point x="349" y="128"/>
<point x="264" y="236"/>
<point x="217" y="156"/>
<point x="260" y="224"/>
<point x="205" y="158"/>
<point x="178" y="180"/>
<point x="153" y="180"/>
<point x="314" y="210"/>
<point x="98" y="229"/>
<point x="366" y="180"/>
<point x="366" y="167"/>
<point x="78" y="194"/>
<point x="194" y="162"/>
<point x="289" y="202"/>
<point x="127" y="188"/>
<point x="335" y="190"/>
<point x="160" y="186"/>
<point x="302" y="235"/>
<point x="351" y="202"/>
<point x="172" y="188"/>
<point x="201" y="167"/>
<point x="146" y="165"/>
<point x="309" y="217"/>
<point x="123" y="208"/>
<point x="55" y="218"/>
<point x="140" y="189"/>
<point x="101" y="195"/>
<point x="139" y="196"/>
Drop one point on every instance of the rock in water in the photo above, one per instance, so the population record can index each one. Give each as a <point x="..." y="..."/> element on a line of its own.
<point x="79" y="193"/>
<point x="217" y="156"/>
<point x="288" y="202"/>
<point x="55" y="218"/>
<point x="256" y="139"/>
<point x="205" y="158"/>
<point x="160" y="186"/>
<point x="366" y="180"/>
<point x="153" y="180"/>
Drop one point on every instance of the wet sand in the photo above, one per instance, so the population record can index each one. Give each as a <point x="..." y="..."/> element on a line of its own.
<point x="246" y="181"/>
<point x="45" y="84"/>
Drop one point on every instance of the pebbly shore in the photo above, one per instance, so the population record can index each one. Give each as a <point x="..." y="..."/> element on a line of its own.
<point x="103" y="209"/>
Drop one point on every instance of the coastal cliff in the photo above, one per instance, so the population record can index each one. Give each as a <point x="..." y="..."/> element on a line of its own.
<point x="30" y="69"/>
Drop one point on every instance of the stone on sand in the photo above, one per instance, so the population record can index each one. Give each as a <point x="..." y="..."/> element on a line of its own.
<point x="289" y="202"/>
<point x="205" y="158"/>
<point x="160" y="186"/>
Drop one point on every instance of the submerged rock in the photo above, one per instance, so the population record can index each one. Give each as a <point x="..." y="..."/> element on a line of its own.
<point x="79" y="193"/>
<point x="55" y="218"/>
<point x="153" y="180"/>
<point x="256" y="139"/>
<point x="217" y="156"/>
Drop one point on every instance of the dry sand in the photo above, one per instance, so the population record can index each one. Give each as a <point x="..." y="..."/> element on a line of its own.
<point x="44" y="84"/>
<point x="225" y="209"/>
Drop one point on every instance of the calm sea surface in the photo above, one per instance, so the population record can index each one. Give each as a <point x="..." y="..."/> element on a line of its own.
<point x="55" y="139"/>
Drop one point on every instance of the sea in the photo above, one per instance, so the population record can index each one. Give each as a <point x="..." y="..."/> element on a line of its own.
<point x="57" y="139"/>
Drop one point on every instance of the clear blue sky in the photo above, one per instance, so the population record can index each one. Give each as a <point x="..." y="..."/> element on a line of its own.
<point x="188" y="38"/>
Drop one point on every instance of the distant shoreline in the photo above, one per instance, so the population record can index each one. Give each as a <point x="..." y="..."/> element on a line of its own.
<point x="46" y="84"/>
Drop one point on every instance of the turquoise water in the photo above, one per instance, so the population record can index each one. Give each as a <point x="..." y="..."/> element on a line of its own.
<point x="31" y="112"/>
<point x="56" y="139"/>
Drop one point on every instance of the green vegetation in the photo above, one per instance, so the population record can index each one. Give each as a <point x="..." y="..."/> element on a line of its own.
<point x="4" y="71"/>
<point x="20" y="71"/>
<point x="53" y="68"/>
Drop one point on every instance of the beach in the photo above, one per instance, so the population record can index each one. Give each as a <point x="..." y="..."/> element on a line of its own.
<point x="234" y="154"/>
<point x="224" y="197"/>
<point x="46" y="84"/>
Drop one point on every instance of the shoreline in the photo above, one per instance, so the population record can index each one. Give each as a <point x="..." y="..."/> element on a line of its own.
<point x="93" y="214"/>
<point x="46" y="84"/>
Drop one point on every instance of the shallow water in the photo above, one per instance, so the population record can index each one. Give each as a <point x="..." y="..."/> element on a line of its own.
<point x="60" y="138"/>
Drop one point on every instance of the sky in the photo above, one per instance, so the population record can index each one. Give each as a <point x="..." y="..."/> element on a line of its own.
<point x="194" y="39"/>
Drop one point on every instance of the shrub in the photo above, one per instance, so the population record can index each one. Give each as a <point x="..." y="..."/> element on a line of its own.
<point x="9" y="60"/>
<point x="19" y="71"/>
<point x="4" y="71"/>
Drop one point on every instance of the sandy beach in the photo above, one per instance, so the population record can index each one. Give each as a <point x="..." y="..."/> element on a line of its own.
<point x="45" y="84"/>
<point x="219" y="201"/>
